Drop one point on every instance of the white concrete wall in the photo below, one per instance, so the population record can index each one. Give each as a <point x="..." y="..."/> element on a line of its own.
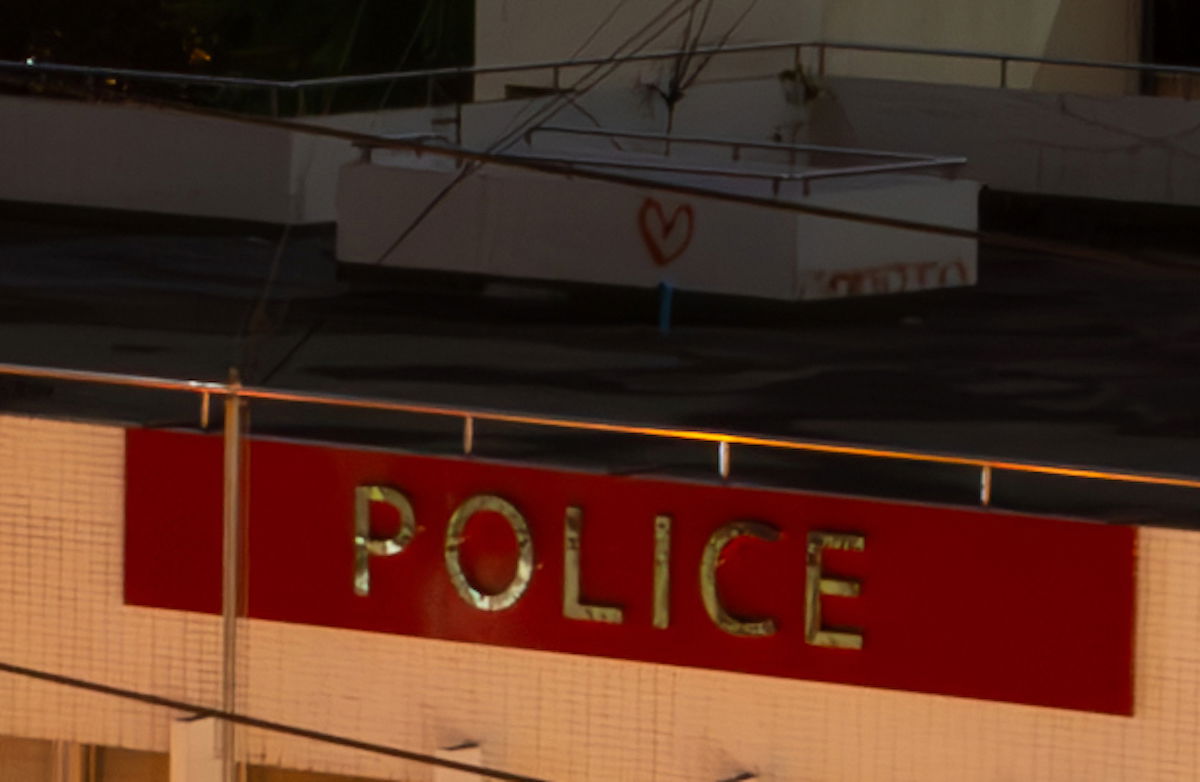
<point x="554" y="716"/>
<point x="315" y="161"/>
<point x="143" y="159"/>
<point x="117" y="156"/>
<point x="1127" y="148"/>
<point x="512" y="223"/>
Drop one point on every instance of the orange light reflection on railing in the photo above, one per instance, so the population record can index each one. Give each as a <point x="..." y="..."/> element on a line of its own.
<point x="696" y="435"/>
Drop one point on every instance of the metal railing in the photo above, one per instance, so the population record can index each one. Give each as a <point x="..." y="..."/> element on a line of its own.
<point x="737" y="145"/>
<point x="233" y="391"/>
<point x="776" y="178"/>
<point x="898" y="161"/>
<point x="1002" y="60"/>
<point x="556" y="68"/>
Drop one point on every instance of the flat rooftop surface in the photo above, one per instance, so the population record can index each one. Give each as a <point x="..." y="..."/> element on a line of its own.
<point x="1046" y="360"/>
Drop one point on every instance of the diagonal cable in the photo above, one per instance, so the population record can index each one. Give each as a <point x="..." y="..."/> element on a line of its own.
<point x="541" y="116"/>
<point x="254" y="722"/>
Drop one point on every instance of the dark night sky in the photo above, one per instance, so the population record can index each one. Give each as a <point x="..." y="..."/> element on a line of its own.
<point x="266" y="38"/>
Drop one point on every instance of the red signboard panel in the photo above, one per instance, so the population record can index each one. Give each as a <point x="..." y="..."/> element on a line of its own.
<point x="930" y="599"/>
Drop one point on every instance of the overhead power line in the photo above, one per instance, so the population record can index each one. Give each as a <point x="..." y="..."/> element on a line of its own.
<point x="560" y="100"/>
<point x="261" y="724"/>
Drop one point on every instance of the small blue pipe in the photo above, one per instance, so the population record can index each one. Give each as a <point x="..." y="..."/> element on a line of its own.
<point x="666" y="296"/>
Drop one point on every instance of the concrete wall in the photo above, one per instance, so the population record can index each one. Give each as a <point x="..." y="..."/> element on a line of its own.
<point x="125" y="157"/>
<point x="117" y="156"/>
<point x="513" y="223"/>
<point x="315" y="161"/>
<point x="516" y="31"/>
<point x="1069" y="29"/>
<point x="754" y="109"/>
<point x="511" y="31"/>
<point x="1128" y="148"/>
<point x="552" y="716"/>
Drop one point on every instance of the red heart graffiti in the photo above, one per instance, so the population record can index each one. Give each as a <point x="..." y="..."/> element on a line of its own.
<point x="666" y="239"/>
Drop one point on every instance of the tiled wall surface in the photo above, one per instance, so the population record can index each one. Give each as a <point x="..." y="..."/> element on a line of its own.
<point x="548" y="715"/>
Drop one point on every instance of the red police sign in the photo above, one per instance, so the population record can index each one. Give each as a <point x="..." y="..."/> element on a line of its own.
<point x="931" y="599"/>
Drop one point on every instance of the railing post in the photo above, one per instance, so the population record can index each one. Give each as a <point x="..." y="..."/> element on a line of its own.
<point x="231" y="567"/>
<point x="458" y="124"/>
<point x="274" y="101"/>
<point x="468" y="435"/>
<point x="557" y="86"/>
<point x="985" y="485"/>
<point x="723" y="459"/>
<point x="1003" y="73"/>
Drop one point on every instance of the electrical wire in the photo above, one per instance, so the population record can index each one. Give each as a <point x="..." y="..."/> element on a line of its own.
<point x="598" y="29"/>
<point x="612" y="62"/>
<point x="690" y="80"/>
<point x="510" y="135"/>
<point x="261" y="724"/>
<point x="412" y="42"/>
<point x="507" y="138"/>
<point x="256" y="324"/>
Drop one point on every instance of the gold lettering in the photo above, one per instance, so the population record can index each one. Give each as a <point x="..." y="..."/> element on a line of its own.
<point x="662" y="572"/>
<point x="708" y="577"/>
<point x="572" y="607"/>
<point x="816" y="585"/>
<point x="454" y="538"/>
<point x="364" y="545"/>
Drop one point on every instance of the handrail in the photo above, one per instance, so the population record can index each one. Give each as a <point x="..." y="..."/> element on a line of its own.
<point x="734" y="144"/>
<point x="134" y="73"/>
<point x="723" y="440"/>
<point x="1000" y="56"/>
<point x="777" y="177"/>
<point x="795" y="46"/>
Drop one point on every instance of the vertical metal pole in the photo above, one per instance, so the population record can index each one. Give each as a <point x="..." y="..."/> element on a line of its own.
<point x="205" y="409"/>
<point x="1003" y="73"/>
<point x="458" y="124"/>
<point x="723" y="459"/>
<point x="468" y="435"/>
<point x="70" y="762"/>
<point x="274" y="101"/>
<point x="231" y="570"/>
<point x="985" y="485"/>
